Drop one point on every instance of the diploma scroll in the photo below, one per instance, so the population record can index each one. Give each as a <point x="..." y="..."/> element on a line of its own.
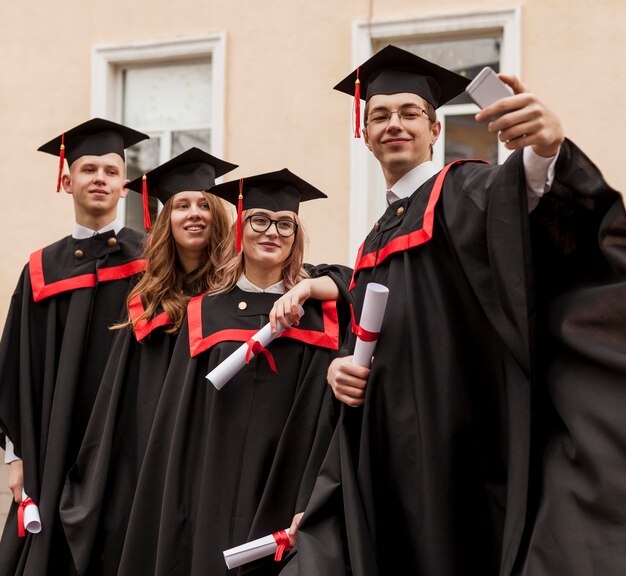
<point x="28" y="517"/>
<point x="276" y="544"/>
<point x="226" y="369"/>
<point x="374" y="305"/>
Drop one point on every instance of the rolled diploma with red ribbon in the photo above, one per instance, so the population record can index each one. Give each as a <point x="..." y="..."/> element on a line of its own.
<point x="275" y="543"/>
<point x="374" y="305"/>
<point x="225" y="370"/>
<point x="31" y="519"/>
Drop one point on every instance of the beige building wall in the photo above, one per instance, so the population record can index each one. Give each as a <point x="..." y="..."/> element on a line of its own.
<point x="282" y="59"/>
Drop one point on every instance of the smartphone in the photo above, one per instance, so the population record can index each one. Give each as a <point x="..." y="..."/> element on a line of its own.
<point x="487" y="88"/>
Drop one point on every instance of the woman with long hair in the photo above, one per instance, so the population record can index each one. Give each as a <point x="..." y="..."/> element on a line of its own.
<point x="181" y="253"/>
<point x="230" y="465"/>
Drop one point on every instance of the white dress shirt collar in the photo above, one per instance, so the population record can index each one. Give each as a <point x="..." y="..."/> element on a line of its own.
<point x="82" y="232"/>
<point x="244" y="284"/>
<point x="413" y="179"/>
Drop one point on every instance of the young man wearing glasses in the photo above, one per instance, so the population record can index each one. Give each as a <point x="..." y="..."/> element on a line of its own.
<point x="430" y="474"/>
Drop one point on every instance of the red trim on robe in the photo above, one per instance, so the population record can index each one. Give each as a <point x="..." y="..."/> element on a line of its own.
<point x="412" y="239"/>
<point x="42" y="290"/>
<point x="144" y="327"/>
<point x="122" y="271"/>
<point x="329" y="338"/>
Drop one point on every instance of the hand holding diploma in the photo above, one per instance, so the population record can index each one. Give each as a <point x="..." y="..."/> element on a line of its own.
<point x="28" y="517"/>
<point x="224" y="371"/>
<point x="287" y="309"/>
<point x="368" y="330"/>
<point x="276" y="543"/>
<point x="348" y="376"/>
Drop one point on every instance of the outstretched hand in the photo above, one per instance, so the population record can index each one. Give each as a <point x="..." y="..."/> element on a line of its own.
<point x="523" y="120"/>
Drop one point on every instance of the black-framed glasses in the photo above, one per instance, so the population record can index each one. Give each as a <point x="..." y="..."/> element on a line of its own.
<point x="383" y="117"/>
<point x="260" y="223"/>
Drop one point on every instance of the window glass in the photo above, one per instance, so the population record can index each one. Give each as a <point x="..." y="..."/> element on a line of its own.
<point x="183" y="140"/>
<point x="171" y="103"/>
<point x="168" y="95"/>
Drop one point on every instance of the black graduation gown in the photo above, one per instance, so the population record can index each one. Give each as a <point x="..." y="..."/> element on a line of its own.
<point x="224" y="467"/>
<point x="53" y="352"/>
<point x="430" y="477"/>
<point x="100" y="487"/>
<point x="579" y="525"/>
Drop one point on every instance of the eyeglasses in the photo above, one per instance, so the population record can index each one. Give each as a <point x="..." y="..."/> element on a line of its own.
<point x="383" y="117"/>
<point x="285" y="227"/>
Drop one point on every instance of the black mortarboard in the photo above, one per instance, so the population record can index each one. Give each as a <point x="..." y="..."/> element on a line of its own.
<point x="95" y="137"/>
<point x="194" y="169"/>
<point x="393" y="70"/>
<point x="275" y="191"/>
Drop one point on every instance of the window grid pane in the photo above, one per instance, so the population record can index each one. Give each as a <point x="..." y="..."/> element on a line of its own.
<point x="172" y="103"/>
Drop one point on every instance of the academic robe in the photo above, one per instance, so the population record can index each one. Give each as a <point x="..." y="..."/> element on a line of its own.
<point x="430" y="476"/>
<point x="227" y="466"/>
<point x="578" y="527"/>
<point x="53" y="351"/>
<point x="100" y="487"/>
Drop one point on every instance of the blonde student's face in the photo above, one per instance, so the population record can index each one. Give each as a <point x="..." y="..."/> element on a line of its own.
<point x="268" y="249"/>
<point x="399" y="144"/>
<point x="96" y="184"/>
<point x="190" y="221"/>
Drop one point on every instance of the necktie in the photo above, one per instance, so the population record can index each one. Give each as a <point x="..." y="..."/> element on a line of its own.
<point x="391" y="197"/>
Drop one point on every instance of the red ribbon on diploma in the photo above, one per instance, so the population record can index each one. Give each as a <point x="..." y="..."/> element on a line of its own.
<point x="256" y="348"/>
<point x="361" y="332"/>
<point x="282" y="540"/>
<point x="21" y="529"/>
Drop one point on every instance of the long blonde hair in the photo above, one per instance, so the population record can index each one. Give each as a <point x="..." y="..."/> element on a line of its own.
<point x="162" y="286"/>
<point x="231" y="266"/>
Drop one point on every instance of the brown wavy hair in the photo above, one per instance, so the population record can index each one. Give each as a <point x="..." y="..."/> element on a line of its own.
<point x="232" y="265"/>
<point x="164" y="286"/>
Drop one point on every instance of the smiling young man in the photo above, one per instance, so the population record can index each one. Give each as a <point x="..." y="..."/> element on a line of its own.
<point x="430" y="474"/>
<point x="56" y="338"/>
<point x="400" y="131"/>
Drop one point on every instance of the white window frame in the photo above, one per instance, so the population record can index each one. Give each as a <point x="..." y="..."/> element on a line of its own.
<point x="366" y="181"/>
<point x="109" y="60"/>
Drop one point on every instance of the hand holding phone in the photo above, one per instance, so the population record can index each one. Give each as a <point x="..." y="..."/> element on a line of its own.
<point x="487" y="88"/>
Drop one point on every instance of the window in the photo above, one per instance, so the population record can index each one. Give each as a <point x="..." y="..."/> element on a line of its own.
<point x="171" y="90"/>
<point x="463" y="43"/>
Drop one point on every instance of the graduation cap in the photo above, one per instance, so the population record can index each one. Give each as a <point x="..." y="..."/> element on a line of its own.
<point x="96" y="137"/>
<point x="194" y="169"/>
<point x="275" y="191"/>
<point x="393" y="70"/>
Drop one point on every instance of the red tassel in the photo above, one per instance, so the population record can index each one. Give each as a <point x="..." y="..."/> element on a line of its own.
<point x="357" y="106"/>
<point x="239" y="211"/>
<point x="61" y="159"/>
<point x="146" y="206"/>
